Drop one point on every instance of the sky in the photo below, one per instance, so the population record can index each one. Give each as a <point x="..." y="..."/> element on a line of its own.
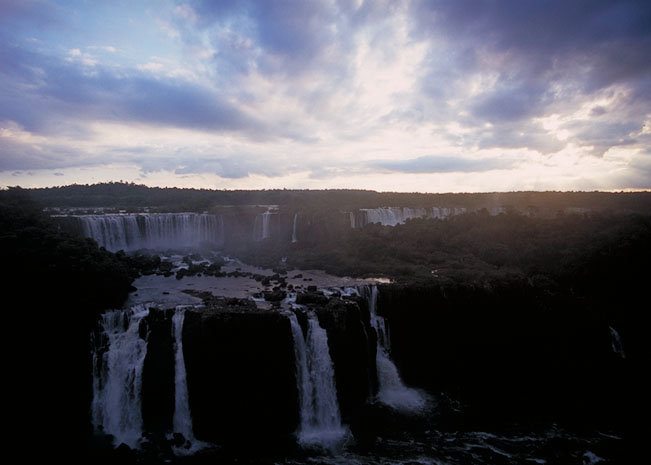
<point x="388" y="95"/>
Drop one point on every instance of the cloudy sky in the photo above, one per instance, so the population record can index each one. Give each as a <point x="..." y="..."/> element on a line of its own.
<point x="390" y="95"/>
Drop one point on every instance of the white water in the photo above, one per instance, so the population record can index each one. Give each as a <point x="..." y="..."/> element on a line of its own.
<point x="153" y="231"/>
<point x="182" y="420"/>
<point x="445" y="212"/>
<point x="262" y="225"/>
<point x="616" y="342"/>
<point x="393" y="216"/>
<point x="319" y="408"/>
<point x="117" y="376"/>
<point x="294" y="237"/>
<point x="392" y="391"/>
<point x="266" y="221"/>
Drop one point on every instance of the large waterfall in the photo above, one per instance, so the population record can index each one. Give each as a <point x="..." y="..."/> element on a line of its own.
<point x="153" y="231"/>
<point x="117" y="375"/>
<point x="319" y="408"/>
<point x="392" y="391"/>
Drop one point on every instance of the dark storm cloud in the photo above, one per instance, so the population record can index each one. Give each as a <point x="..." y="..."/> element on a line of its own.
<point x="542" y="30"/>
<point x="38" y="90"/>
<point x="517" y="135"/>
<point x="39" y="13"/>
<point x="544" y="55"/>
<point x="510" y="102"/>
<point x="443" y="164"/>
<point x="603" y="135"/>
<point x="549" y="38"/>
<point x="276" y="37"/>
<point x="286" y="27"/>
<point x="19" y="156"/>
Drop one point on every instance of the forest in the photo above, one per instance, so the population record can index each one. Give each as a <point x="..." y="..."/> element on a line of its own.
<point x="133" y="197"/>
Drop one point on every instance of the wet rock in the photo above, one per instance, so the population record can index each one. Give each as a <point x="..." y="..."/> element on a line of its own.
<point x="158" y="372"/>
<point x="165" y="266"/>
<point x="240" y="371"/>
<point x="274" y="296"/>
<point x="311" y="298"/>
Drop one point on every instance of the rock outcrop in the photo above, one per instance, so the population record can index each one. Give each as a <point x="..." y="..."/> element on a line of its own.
<point x="240" y="372"/>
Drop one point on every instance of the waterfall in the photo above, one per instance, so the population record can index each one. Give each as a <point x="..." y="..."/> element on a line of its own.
<point x="441" y="212"/>
<point x="266" y="221"/>
<point x="391" y="216"/>
<point x="117" y="375"/>
<point x="182" y="420"/>
<point x="294" y="237"/>
<point x="153" y="231"/>
<point x="616" y="342"/>
<point x="262" y="224"/>
<point x="319" y="409"/>
<point x="392" y="391"/>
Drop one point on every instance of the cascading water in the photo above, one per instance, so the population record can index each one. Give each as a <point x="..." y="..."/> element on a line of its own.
<point x="262" y="224"/>
<point x="266" y="221"/>
<point x="319" y="408"/>
<point x="294" y="237"/>
<point x="616" y="342"/>
<point x="117" y="375"/>
<point x="392" y="391"/>
<point x="182" y="420"/>
<point x="153" y="231"/>
<point x="393" y="216"/>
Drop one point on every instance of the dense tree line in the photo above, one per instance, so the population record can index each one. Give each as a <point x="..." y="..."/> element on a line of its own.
<point x="120" y="195"/>
<point x="35" y="252"/>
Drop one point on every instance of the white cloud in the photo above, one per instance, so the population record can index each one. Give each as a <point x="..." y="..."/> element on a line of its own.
<point x="150" y="66"/>
<point x="186" y="12"/>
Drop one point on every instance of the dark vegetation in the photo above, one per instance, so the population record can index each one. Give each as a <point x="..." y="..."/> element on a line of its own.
<point x="568" y="251"/>
<point x="54" y="286"/>
<point x="48" y="265"/>
<point x="132" y="197"/>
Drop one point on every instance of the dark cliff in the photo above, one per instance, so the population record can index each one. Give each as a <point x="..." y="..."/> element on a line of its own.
<point x="510" y="353"/>
<point x="240" y="372"/>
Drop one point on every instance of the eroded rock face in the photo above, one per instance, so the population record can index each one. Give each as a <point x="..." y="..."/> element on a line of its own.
<point x="158" y="371"/>
<point x="240" y="372"/>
